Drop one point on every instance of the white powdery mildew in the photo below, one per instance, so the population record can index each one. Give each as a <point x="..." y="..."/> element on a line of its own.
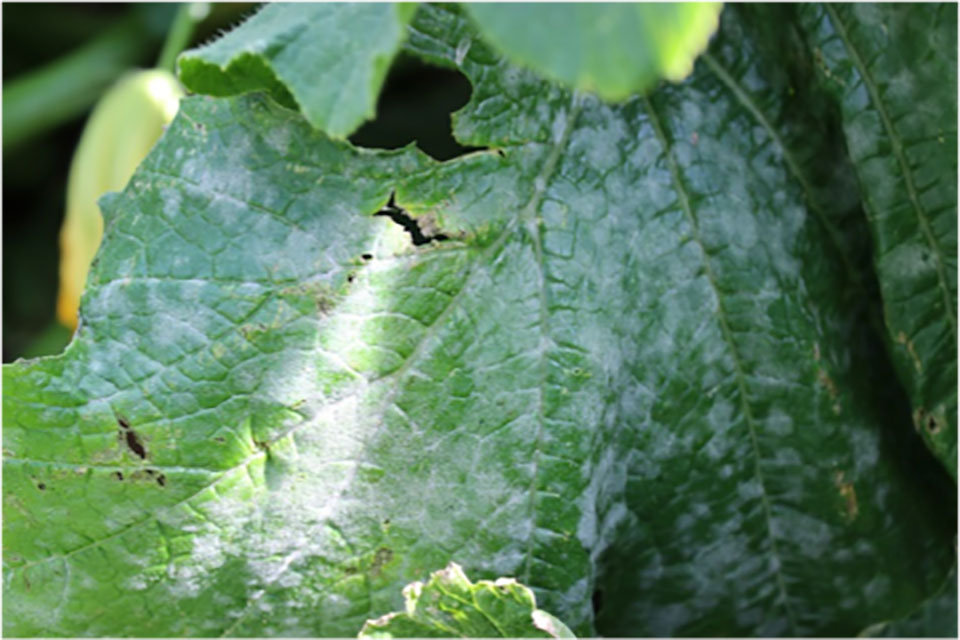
<point x="185" y="581"/>
<point x="172" y="203"/>
<point x="136" y="582"/>
<point x="276" y="532"/>
<point x="607" y="477"/>
<point x="208" y="551"/>
<point x="279" y="139"/>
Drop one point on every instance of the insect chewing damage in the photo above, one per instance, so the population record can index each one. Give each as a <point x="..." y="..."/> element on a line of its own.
<point x="848" y="494"/>
<point x="140" y="474"/>
<point x="130" y="437"/>
<point x="422" y="231"/>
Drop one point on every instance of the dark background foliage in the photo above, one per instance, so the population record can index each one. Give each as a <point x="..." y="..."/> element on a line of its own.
<point x="415" y="106"/>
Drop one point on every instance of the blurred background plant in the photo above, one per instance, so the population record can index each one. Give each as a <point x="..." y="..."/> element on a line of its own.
<point x="60" y="61"/>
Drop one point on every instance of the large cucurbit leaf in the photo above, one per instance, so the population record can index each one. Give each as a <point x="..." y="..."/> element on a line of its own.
<point x="327" y="59"/>
<point x="450" y="606"/>
<point x="637" y="375"/>
<point x="893" y="68"/>
<point x="615" y="50"/>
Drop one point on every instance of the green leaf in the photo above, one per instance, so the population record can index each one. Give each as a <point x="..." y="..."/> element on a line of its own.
<point x="614" y="50"/>
<point x="638" y="373"/>
<point x="935" y="618"/>
<point x="329" y="60"/>
<point x="449" y="605"/>
<point x="893" y="70"/>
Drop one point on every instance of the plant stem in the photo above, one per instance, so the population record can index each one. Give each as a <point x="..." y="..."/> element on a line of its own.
<point x="188" y="16"/>
<point x="65" y="88"/>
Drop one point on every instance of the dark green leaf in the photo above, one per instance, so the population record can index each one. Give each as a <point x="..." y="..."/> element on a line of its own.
<point x="893" y="69"/>
<point x="936" y="618"/>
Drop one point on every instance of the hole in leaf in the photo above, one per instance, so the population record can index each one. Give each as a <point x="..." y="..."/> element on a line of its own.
<point x="162" y="480"/>
<point x="41" y="486"/>
<point x="367" y="256"/>
<point x="418" y="235"/>
<point x="118" y="475"/>
<point x="130" y="436"/>
<point x="597" y="600"/>
<point x="415" y="106"/>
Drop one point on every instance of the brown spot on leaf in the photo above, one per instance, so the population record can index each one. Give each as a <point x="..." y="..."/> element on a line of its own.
<point x="931" y="422"/>
<point x="911" y="350"/>
<point x="849" y="495"/>
<point x="827" y="382"/>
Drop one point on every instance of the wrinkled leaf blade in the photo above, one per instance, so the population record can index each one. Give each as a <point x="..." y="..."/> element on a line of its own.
<point x="632" y="369"/>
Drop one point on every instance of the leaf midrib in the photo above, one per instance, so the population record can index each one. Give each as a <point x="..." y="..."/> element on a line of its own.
<point x="750" y="105"/>
<point x="528" y="213"/>
<point x="731" y="344"/>
<point x="897" y="145"/>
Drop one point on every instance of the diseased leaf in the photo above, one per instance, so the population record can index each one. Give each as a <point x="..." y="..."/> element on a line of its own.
<point x="327" y="59"/>
<point x="935" y="618"/>
<point x="449" y="605"/>
<point x="615" y="50"/>
<point x="637" y="375"/>
<point x="893" y="69"/>
<point x="125" y="123"/>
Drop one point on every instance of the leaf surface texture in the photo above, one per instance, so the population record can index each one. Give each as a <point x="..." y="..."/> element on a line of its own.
<point x="635" y="373"/>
